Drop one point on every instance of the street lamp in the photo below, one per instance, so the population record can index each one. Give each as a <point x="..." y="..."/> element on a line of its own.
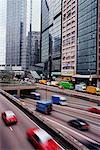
<point x="90" y="77"/>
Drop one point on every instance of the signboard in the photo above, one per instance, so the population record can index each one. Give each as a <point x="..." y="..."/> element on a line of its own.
<point x="68" y="72"/>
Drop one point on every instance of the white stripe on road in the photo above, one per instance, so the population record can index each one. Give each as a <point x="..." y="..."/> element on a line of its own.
<point x="11" y="128"/>
<point x="68" y="129"/>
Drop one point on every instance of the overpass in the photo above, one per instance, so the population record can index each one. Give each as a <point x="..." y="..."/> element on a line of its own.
<point x="17" y="89"/>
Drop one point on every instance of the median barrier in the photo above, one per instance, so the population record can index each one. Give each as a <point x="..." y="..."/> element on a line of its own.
<point x="71" y="141"/>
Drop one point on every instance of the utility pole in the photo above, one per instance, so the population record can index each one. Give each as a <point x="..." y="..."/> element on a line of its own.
<point x="50" y="57"/>
<point x="50" y="67"/>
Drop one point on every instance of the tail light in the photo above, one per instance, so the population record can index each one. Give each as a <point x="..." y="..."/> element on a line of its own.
<point x="86" y="126"/>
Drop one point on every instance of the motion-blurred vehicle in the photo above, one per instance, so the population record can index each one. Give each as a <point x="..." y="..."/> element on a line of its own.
<point x="79" y="124"/>
<point x="66" y="85"/>
<point x="35" y="95"/>
<point x="44" y="106"/>
<point x="91" y="89"/>
<point x="98" y="91"/>
<point x="41" y="139"/>
<point x="94" y="110"/>
<point x="16" y="96"/>
<point x="54" y="83"/>
<point x="80" y="87"/>
<point x="92" y="146"/>
<point x="9" y="117"/>
<point x="58" y="99"/>
<point x="42" y="81"/>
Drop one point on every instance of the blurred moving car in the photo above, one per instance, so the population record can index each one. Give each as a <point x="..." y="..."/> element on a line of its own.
<point x="54" y="83"/>
<point x="79" y="124"/>
<point x="41" y="139"/>
<point x="43" y="81"/>
<point x="16" y="96"/>
<point x="58" y="99"/>
<point x="9" y="117"/>
<point x="94" y="110"/>
<point x="35" y="95"/>
<point x="91" y="89"/>
<point x="98" y="91"/>
<point x="66" y="85"/>
<point x="92" y="146"/>
<point x="80" y="87"/>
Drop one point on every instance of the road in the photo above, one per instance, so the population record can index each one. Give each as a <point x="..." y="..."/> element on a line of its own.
<point x="14" y="137"/>
<point x="73" y="102"/>
<point x="62" y="114"/>
<point x="72" y="93"/>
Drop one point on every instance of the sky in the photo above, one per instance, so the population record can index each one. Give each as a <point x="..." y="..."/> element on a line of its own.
<point x="36" y="15"/>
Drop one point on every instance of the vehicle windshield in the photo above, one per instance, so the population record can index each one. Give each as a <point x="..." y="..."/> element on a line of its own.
<point x="10" y="114"/>
<point x="63" y="100"/>
<point x="43" y="136"/>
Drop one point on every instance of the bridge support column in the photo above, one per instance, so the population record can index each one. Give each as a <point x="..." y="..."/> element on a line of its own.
<point x="18" y="92"/>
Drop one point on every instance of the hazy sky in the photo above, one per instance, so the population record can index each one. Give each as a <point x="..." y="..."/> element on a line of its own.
<point x="36" y="15"/>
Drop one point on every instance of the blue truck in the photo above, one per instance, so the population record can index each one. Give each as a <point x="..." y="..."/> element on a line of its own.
<point x="44" y="106"/>
<point x="58" y="99"/>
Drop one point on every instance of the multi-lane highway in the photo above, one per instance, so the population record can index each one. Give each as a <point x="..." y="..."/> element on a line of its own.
<point x="14" y="137"/>
<point x="73" y="102"/>
<point x="62" y="114"/>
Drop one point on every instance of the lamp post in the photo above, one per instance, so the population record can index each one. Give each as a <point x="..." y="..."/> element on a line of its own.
<point x="90" y="77"/>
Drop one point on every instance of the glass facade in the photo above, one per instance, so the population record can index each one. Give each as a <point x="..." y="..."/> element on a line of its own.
<point x="86" y="45"/>
<point x="2" y="32"/>
<point x="51" y="32"/>
<point x="16" y="19"/>
<point x="13" y="34"/>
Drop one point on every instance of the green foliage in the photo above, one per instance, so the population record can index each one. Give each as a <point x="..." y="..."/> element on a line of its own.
<point x="6" y="75"/>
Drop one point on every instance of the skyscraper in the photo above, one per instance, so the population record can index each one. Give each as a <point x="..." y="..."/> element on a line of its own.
<point x="69" y="37"/>
<point x="51" y="33"/>
<point x="88" y="44"/>
<point x="34" y="48"/>
<point x="16" y="23"/>
<point x="3" y="13"/>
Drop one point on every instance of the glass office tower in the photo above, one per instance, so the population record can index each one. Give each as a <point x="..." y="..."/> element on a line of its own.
<point x="17" y="24"/>
<point x="88" y="44"/>
<point x="2" y="33"/>
<point x="87" y="30"/>
<point x="51" y="32"/>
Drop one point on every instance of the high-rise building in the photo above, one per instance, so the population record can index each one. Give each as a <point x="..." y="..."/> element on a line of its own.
<point x="69" y="37"/>
<point x="51" y="33"/>
<point x="16" y="23"/>
<point x="88" y="43"/>
<point x="34" y="48"/>
<point x="3" y="14"/>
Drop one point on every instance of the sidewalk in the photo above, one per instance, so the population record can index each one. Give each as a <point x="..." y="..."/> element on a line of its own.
<point x="73" y="93"/>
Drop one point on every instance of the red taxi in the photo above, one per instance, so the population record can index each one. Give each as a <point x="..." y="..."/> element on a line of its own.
<point x="9" y="117"/>
<point x="41" y="139"/>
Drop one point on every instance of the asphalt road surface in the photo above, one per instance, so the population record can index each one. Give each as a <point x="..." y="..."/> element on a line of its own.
<point x="62" y="114"/>
<point x="14" y="137"/>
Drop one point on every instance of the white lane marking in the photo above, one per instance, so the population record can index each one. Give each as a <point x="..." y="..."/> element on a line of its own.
<point x="29" y="119"/>
<point x="83" y="136"/>
<point x="11" y="128"/>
